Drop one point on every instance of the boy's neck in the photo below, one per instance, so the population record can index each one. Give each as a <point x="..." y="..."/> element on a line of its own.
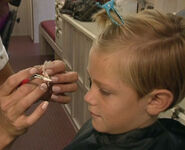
<point x="148" y="122"/>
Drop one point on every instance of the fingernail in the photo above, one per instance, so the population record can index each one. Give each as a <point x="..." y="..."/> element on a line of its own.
<point x="54" y="97"/>
<point x="43" y="86"/>
<point x="33" y="71"/>
<point x="49" y="64"/>
<point x="54" y="79"/>
<point x="45" y="105"/>
<point x="49" y="71"/>
<point x="56" y="89"/>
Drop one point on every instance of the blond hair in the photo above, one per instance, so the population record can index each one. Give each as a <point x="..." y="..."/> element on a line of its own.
<point x="156" y="47"/>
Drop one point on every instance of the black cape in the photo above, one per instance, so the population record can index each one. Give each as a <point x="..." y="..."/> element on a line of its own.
<point x="164" y="134"/>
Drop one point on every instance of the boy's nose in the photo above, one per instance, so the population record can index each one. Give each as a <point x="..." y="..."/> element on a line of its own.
<point x="90" y="97"/>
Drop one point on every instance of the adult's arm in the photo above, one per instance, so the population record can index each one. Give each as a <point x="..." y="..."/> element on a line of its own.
<point x="5" y="73"/>
<point x="15" y="100"/>
<point x="5" y="68"/>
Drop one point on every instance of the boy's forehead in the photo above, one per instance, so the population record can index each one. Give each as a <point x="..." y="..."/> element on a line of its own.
<point x="106" y="53"/>
<point x="116" y="61"/>
<point x="102" y="60"/>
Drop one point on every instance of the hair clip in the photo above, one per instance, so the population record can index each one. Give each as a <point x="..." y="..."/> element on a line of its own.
<point x="110" y="6"/>
<point x="36" y="76"/>
<point x="44" y="78"/>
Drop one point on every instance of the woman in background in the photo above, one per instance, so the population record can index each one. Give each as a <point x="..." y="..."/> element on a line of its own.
<point x="16" y="99"/>
<point x="4" y="13"/>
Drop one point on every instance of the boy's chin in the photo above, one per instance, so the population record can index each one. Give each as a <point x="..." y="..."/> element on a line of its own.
<point x="99" y="127"/>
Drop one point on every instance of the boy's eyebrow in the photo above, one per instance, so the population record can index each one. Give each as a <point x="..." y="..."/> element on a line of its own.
<point x="87" y="71"/>
<point x="99" y="83"/>
<point x="105" y="86"/>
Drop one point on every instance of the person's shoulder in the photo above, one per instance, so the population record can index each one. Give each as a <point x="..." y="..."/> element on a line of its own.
<point x="3" y="56"/>
<point x="172" y="137"/>
<point x="1" y="44"/>
<point x="86" y="128"/>
<point x="173" y="126"/>
<point x="83" y="139"/>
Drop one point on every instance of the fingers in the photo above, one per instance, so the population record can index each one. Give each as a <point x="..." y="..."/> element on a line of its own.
<point x="58" y="89"/>
<point x="39" y="111"/>
<point x="54" y="67"/>
<point x="62" y="88"/>
<point x="67" y="77"/>
<point x="15" y="80"/>
<point x="61" y="98"/>
<point x="26" y="121"/>
<point x="32" y="97"/>
<point x="9" y="102"/>
<point x="22" y="91"/>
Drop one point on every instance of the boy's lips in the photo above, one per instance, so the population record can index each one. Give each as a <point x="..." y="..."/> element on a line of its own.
<point x="94" y="114"/>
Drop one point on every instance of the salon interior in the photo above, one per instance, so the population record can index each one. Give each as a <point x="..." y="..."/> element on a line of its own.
<point x="38" y="30"/>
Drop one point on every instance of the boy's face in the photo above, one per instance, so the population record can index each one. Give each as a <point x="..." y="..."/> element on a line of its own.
<point x="114" y="106"/>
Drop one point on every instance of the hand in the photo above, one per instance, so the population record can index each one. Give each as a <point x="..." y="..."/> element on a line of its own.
<point x="63" y="82"/>
<point x="15" y="100"/>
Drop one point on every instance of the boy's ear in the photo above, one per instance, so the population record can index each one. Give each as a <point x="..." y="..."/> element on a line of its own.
<point x="159" y="100"/>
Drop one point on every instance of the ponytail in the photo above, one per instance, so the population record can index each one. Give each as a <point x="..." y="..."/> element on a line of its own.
<point x="103" y="20"/>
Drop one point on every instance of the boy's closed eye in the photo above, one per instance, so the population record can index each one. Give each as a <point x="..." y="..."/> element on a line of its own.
<point x="104" y="92"/>
<point x="90" y="82"/>
<point x="101" y="90"/>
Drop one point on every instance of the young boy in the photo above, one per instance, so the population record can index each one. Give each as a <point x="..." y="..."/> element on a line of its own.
<point x="138" y="71"/>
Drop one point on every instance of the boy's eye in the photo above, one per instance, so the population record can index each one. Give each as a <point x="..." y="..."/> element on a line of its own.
<point x="90" y="82"/>
<point x="104" y="92"/>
